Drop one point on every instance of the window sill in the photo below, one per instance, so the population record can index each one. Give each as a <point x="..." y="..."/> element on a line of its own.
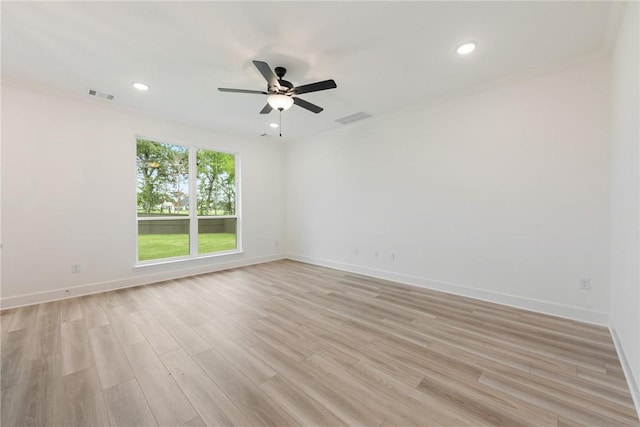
<point x="169" y="261"/>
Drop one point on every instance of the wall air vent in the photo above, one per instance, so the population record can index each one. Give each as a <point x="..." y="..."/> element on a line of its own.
<point x="99" y="94"/>
<point x="353" y="118"/>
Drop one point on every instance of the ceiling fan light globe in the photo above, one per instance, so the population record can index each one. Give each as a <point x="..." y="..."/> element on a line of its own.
<point x="280" y="102"/>
<point x="466" y="48"/>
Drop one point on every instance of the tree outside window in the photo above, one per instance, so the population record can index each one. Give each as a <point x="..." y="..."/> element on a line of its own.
<point x="169" y="225"/>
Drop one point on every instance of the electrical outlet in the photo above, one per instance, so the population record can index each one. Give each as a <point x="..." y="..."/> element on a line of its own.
<point x="392" y="256"/>
<point x="75" y="268"/>
<point x="585" y="284"/>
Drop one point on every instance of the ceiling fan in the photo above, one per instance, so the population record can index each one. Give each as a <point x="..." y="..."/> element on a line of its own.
<point x="281" y="93"/>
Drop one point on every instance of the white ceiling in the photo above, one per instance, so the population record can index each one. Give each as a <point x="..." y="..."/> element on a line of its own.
<point x="384" y="56"/>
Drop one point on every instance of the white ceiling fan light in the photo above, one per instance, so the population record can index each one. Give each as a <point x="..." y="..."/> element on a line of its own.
<point x="466" y="48"/>
<point x="140" y="86"/>
<point x="280" y="102"/>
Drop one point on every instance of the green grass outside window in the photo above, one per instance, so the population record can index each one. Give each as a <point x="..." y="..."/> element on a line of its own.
<point x="157" y="246"/>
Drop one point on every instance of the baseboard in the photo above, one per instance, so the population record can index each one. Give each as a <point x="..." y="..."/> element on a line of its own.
<point x="545" y="307"/>
<point x="137" y="280"/>
<point x="634" y="384"/>
<point x="574" y="313"/>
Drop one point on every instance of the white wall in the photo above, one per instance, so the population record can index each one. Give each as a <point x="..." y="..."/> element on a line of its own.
<point x="625" y="195"/>
<point x="502" y="194"/>
<point x="68" y="195"/>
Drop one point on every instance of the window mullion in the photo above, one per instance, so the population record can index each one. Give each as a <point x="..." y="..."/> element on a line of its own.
<point x="193" y="203"/>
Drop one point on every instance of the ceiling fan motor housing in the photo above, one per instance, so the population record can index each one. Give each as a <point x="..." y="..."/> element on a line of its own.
<point x="286" y="85"/>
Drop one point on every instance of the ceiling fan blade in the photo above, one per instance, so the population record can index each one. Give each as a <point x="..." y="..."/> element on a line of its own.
<point x="267" y="73"/>
<point x="314" y="87"/>
<point x="257" y="92"/>
<point x="307" y="105"/>
<point x="266" y="110"/>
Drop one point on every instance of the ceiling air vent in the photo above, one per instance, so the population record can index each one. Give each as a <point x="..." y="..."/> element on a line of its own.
<point x="99" y="94"/>
<point x="353" y="118"/>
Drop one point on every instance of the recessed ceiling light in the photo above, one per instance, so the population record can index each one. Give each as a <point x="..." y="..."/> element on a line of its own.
<point x="466" y="48"/>
<point x="274" y="125"/>
<point x="140" y="86"/>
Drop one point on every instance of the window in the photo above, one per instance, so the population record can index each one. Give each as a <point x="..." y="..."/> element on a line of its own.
<point x="186" y="204"/>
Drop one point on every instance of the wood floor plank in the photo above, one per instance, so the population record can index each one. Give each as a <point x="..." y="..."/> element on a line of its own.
<point x="12" y="400"/>
<point x="333" y="395"/>
<point x="289" y="344"/>
<point x="286" y="343"/>
<point x="195" y="422"/>
<point x="157" y="336"/>
<point x="183" y="334"/>
<point x="44" y="402"/>
<point x="70" y="310"/>
<point x="16" y="352"/>
<point x="211" y="403"/>
<point x="572" y="396"/>
<point x="601" y="393"/>
<point x="259" y="409"/>
<point x="235" y="327"/>
<point x="603" y="379"/>
<point x="92" y="311"/>
<point x="23" y="318"/>
<point x="321" y="341"/>
<point x="46" y="336"/>
<point x="168" y="403"/>
<point x="187" y="310"/>
<point x="84" y="402"/>
<point x="52" y="307"/>
<point x="469" y="398"/>
<point x="396" y="412"/>
<point x="75" y="348"/>
<point x="424" y="359"/>
<point x="127" y="406"/>
<point x="109" y="299"/>
<point x="141" y="355"/>
<point x="255" y="369"/>
<point x="126" y="330"/>
<point x="551" y="402"/>
<point x="439" y="409"/>
<point x="358" y="352"/>
<point x="517" y="406"/>
<point x="5" y="320"/>
<point x="501" y="352"/>
<point x="110" y="360"/>
<point x="301" y="407"/>
<point x="565" y="422"/>
<point x="128" y="300"/>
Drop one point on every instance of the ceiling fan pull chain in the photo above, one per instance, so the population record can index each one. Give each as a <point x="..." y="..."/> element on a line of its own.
<point x="280" y="127"/>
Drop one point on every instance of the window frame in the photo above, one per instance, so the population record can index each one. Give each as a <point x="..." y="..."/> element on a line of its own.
<point x="193" y="216"/>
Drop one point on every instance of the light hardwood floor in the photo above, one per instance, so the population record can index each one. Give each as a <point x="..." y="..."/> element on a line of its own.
<point x="286" y="343"/>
